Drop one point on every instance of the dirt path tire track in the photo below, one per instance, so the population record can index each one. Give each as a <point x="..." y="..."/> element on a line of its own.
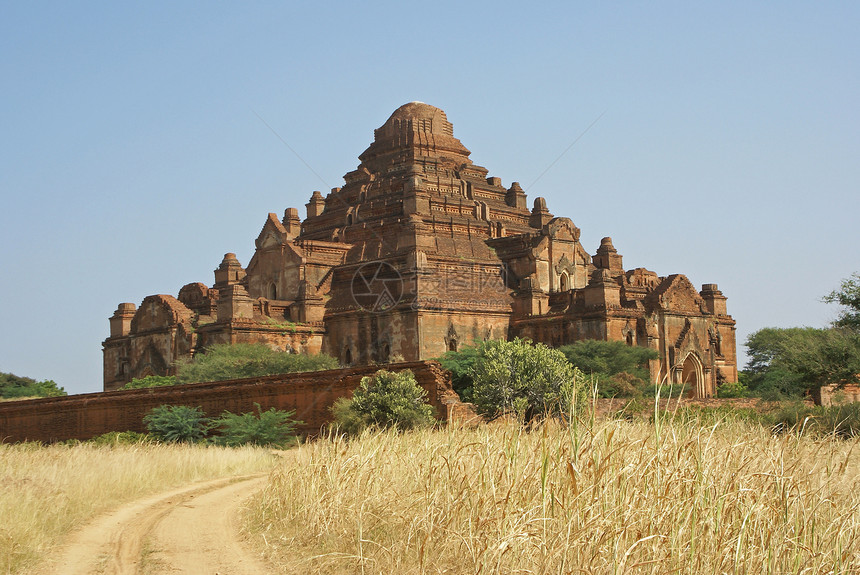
<point x="193" y="529"/>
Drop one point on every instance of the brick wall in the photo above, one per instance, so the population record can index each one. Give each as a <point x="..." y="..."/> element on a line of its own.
<point x="310" y="394"/>
<point x="835" y="394"/>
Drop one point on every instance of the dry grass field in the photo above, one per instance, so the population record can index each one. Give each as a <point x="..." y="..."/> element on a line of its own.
<point x="606" y="496"/>
<point x="687" y="495"/>
<point x="47" y="491"/>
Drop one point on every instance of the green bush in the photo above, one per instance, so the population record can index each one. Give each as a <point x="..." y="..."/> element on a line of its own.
<point x="177" y="423"/>
<point x="529" y="380"/>
<point x="460" y="364"/>
<point x="728" y="390"/>
<point x="235" y="361"/>
<point x="387" y="399"/>
<point x="618" y="369"/>
<point x="272" y="427"/>
<point x="150" y="381"/>
<point x="120" y="438"/>
<point x="621" y="384"/>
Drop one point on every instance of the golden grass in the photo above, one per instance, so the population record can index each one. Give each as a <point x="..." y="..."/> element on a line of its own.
<point x="605" y="497"/>
<point x="46" y="491"/>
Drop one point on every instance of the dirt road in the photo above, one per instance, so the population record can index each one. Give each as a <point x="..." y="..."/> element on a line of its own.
<point x="193" y="529"/>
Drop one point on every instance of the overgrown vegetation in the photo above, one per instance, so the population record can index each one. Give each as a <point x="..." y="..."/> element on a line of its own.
<point x="385" y="400"/>
<point x="222" y="362"/>
<point x="530" y="380"/>
<point x="151" y="381"/>
<point x="235" y="361"/>
<point x="13" y="387"/>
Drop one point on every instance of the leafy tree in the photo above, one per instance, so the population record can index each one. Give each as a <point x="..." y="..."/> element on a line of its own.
<point x="789" y="361"/>
<point x="235" y="361"/>
<point x="150" y="381"/>
<point x="848" y="296"/>
<point x="386" y="399"/>
<point x="618" y="369"/>
<point x="177" y="423"/>
<point x="272" y="427"/>
<point x="460" y="364"/>
<point x="793" y="360"/>
<point x="529" y="380"/>
<point x="13" y="386"/>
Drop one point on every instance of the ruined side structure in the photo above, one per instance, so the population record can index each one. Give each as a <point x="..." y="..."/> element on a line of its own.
<point x="421" y="252"/>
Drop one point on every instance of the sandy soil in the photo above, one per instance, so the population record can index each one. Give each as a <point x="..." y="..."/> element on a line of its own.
<point x="193" y="529"/>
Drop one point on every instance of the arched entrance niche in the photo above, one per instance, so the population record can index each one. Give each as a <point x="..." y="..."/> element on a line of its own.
<point x="563" y="281"/>
<point x="692" y="374"/>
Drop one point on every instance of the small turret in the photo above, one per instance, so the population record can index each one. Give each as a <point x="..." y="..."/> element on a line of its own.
<point x="316" y="205"/>
<point x="607" y="257"/>
<point x="120" y="321"/>
<point x="292" y="222"/>
<point x="540" y="214"/>
<point x="715" y="301"/>
<point x="516" y="197"/>
<point x="230" y="271"/>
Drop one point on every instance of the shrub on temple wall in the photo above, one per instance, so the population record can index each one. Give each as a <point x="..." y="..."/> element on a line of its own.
<point x="236" y="361"/>
<point x="150" y="381"/>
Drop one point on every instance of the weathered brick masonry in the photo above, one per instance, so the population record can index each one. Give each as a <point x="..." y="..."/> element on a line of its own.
<point x="310" y="394"/>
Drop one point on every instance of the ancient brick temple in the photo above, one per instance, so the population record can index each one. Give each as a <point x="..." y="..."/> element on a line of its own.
<point x="420" y="252"/>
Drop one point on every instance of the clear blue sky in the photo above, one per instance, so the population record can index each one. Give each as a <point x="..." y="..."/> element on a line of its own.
<point x="132" y="156"/>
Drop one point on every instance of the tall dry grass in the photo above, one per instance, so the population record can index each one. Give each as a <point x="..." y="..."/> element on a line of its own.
<point x="46" y="491"/>
<point x="608" y="496"/>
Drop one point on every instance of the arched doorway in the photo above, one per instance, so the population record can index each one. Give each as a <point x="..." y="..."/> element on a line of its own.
<point x="692" y="374"/>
